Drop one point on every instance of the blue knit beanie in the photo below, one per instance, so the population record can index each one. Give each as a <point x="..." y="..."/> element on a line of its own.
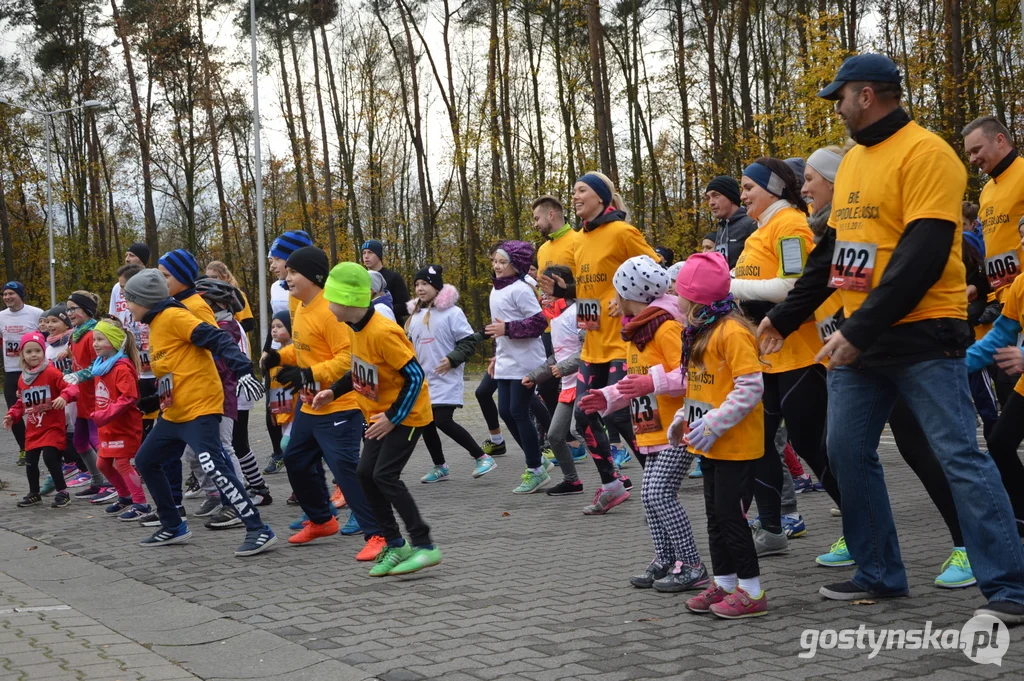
<point x="288" y="243"/>
<point x="182" y="265"/>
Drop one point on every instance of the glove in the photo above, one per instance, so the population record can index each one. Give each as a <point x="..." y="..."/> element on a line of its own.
<point x="593" y="401"/>
<point x="272" y="360"/>
<point x="148" y="404"/>
<point x="675" y="431"/>
<point x="636" y="385"/>
<point x="701" y="437"/>
<point x="71" y="379"/>
<point x="250" y="387"/>
<point x="294" y="378"/>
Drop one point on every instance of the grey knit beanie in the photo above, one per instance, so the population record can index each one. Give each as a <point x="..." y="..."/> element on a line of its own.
<point x="147" y="288"/>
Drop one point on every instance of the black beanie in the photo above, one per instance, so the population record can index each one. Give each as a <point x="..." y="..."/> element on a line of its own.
<point x="310" y="262"/>
<point x="285" y="318"/>
<point x="430" y="274"/>
<point x="140" y="251"/>
<point x="726" y="186"/>
<point x="87" y="304"/>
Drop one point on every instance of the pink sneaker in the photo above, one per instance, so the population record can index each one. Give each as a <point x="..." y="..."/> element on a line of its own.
<point x="606" y="499"/>
<point x="702" y="602"/>
<point x="739" y="604"/>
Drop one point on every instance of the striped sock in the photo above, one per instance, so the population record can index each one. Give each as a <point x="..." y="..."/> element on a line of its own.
<point x="251" y="471"/>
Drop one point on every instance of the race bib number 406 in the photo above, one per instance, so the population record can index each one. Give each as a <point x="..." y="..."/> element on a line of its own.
<point x="646" y="418"/>
<point x="588" y="314"/>
<point x="853" y="264"/>
<point x="1002" y="269"/>
<point x="364" y="378"/>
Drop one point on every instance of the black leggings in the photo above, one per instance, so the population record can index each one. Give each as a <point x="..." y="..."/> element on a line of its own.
<point x="801" y="398"/>
<point x="594" y="428"/>
<point x="445" y="422"/>
<point x="1006" y="438"/>
<point x="240" y="434"/>
<point x="11" y="396"/>
<point x="379" y="472"/>
<point x="485" y="398"/>
<point x="53" y="459"/>
<point x="274" y="429"/>
<point x="728" y="488"/>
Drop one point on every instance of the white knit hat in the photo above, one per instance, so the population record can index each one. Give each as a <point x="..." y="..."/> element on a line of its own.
<point x="640" y="279"/>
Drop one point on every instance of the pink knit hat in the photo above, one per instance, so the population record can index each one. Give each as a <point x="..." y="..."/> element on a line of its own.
<point x="704" y="278"/>
<point x="33" y="337"/>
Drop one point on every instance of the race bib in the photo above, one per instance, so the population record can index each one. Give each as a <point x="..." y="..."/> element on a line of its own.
<point x="828" y="326"/>
<point x="144" y="363"/>
<point x="853" y="263"/>
<point x="165" y="389"/>
<point x="723" y="249"/>
<point x="1002" y="269"/>
<point x="307" y="393"/>
<point x="282" y="400"/>
<point x="64" y="364"/>
<point x="364" y="378"/>
<point x="646" y="418"/>
<point x="588" y="314"/>
<point x="36" y="399"/>
<point x="142" y="341"/>
<point x="694" y="410"/>
<point x="11" y="348"/>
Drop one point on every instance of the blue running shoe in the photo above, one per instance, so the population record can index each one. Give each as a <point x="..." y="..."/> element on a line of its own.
<point x="695" y="473"/>
<point x="134" y="512"/>
<point x="794" y="527"/>
<point x="579" y="452"/>
<point x="297" y="524"/>
<point x="803" y="483"/>
<point x="436" y="474"/>
<point x="956" y="571"/>
<point x="620" y="456"/>
<point x="47" y="486"/>
<point x="256" y="541"/>
<point x="118" y="507"/>
<point x="351" y="527"/>
<point x="165" y="537"/>
<point x="484" y="465"/>
<point x="837" y="556"/>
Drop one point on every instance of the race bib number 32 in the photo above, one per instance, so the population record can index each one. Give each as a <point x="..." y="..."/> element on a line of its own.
<point x="364" y="378"/>
<point x="1002" y="269"/>
<point x="11" y="348"/>
<point x="646" y="418"/>
<point x="853" y="264"/>
<point x="588" y="314"/>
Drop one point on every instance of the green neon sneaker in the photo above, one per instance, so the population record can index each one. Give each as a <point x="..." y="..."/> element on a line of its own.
<point x="21" y="458"/>
<point x="390" y="558"/>
<point x="956" y="571"/>
<point x="532" y="482"/>
<point x="420" y="558"/>
<point x="838" y="555"/>
<point x="492" y="449"/>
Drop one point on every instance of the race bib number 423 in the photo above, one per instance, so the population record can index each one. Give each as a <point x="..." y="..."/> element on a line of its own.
<point x="1002" y="269"/>
<point x="646" y="418"/>
<point x="588" y="314"/>
<point x="694" y="410"/>
<point x="853" y="263"/>
<point x="364" y="378"/>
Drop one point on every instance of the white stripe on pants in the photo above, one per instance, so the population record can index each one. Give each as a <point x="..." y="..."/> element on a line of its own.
<point x="205" y="481"/>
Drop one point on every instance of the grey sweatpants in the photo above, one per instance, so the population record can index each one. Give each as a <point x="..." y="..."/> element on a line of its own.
<point x="205" y="481"/>
<point x="788" y="493"/>
<point x="561" y="422"/>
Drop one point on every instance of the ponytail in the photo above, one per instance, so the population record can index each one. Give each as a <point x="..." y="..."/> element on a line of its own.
<point x="131" y="351"/>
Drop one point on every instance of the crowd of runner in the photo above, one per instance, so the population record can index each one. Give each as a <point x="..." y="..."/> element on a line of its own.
<point x="841" y="292"/>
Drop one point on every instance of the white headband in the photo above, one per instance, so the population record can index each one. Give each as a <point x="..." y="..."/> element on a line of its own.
<point x="826" y="163"/>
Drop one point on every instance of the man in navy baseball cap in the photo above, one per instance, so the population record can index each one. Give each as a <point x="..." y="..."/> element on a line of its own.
<point x="870" y="68"/>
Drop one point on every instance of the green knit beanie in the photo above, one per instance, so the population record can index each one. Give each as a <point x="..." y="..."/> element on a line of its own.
<point x="348" y="284"/>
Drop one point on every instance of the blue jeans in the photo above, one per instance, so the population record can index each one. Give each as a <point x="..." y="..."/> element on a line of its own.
<point x="514" y="406"/>
<point x="335" y="439"/>
<point x="936" y="392"/>
<point x="164" y="446"/>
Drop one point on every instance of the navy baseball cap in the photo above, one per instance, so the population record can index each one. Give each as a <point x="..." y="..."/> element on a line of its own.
<point x="871" y="67"/>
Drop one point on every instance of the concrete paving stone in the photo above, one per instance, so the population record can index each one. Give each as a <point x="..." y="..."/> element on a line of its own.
<point x="399" y="675"/>
<point x="42" y="672"/>
<point x="509" y="668"/>
<point x="558" y="673"/>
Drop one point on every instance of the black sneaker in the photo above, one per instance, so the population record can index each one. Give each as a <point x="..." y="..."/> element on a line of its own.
<point x="1008" y="612"/>
<point x="260" y="496"/>
<point x="90" y="491"/>
<point x="208" y="507"/>
<point x="653" y="572"/>
<point x="60" y="500"/>
<point x="292" y="500"/>
<point x="276" y="465"/>
<point x="848" y="591"/>
<point x="492" y="449"/>
<point x="163" y="536"/>
<point x="151" y="519"/>
<point x="682" y="577"/>
<point x="256" y="541"/>
<point x="225" y="518"/>
<point x="565" y="488"/>
<point x="30" y="500"/>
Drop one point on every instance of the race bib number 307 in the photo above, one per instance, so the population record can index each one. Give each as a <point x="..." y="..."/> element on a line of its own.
<point x="853" y="264"/>
<point x="1002" y="269"/>
<point x="588" y="314"/>
<point x="37" y="399"/>
<point x="364" y="378"/>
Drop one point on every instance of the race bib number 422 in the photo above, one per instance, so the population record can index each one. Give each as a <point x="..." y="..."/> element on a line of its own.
<point x="588" y="314"/>
<point x="364" y="378"/>
<point x="853" y="263"/>
<point x="1002" y="269"/>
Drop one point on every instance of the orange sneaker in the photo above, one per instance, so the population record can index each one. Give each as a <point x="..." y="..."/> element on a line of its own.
<point x="374" y="545"/>
<point x="338" y="499"/>
<point x="312" y="531"/>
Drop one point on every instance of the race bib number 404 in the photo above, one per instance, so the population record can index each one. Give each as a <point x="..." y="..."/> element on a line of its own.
<point x="588" y="314"/>
<point x="646" y="418"/>
<point x="364" y="378"/>
<point x="1002" y="269"/>
<point x="853" y="263"/>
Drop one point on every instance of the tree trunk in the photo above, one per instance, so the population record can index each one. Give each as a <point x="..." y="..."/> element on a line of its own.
<point x="5" y="233"/>
<point x="597" y="83"/>
<point x="506" y="126"/>
<point x="556" y="44"/>
<point x="540" y="159"/>
<point x="332" y="237"/>
<point x="293" y="138"/>
<point x="307" y="145"/>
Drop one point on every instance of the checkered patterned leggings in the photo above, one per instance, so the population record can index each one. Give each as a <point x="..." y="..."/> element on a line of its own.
<point x="666" y="517"/>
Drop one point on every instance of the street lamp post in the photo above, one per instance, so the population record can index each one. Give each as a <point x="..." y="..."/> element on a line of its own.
<point x="261" y="243"/>
<point x="47" y="122"/>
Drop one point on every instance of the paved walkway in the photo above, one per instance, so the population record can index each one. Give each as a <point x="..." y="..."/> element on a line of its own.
<point x="530" y="588"/>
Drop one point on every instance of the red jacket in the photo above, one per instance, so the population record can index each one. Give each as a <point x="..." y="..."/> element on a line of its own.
<point x="118" y="421"/>
<point x="82" y="356"/>
<point x="44" y="426"/>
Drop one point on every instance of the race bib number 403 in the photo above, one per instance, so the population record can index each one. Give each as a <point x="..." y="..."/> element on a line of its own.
<point x="588" y="314"/>
<point x="1002" y="269"/>
<point x="853" y="264"/>
<point x="364" y="378"/>
<point x="646" y="418"/>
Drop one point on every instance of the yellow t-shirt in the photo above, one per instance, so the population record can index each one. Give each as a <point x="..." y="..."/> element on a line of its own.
<point x="246" y="312"/>
<point x="200" y="308"/>
<point x="322" y="343"/>
<point x="598" y="254"/>
<point x="379" y="351"/>
<point x="1001" y="207"/>
<point x="779" y="249"/>
<point x="558" y="251"/>
<point x="879" y="190"/>
<point x="652" y="414"/>
<point x="731" y="352"/>
<point x="186" y="376"/>
<point x="1013" y="308"/>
